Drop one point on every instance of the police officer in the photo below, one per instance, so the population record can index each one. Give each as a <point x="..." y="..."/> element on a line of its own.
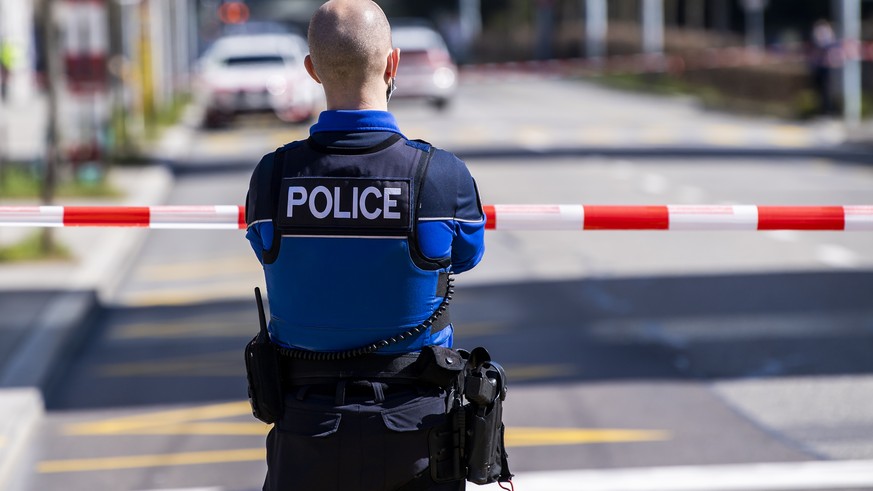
<point x="358" y="229"/>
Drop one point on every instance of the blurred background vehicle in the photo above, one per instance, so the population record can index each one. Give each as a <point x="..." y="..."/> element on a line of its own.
<point x="243" y="73"/>
<point x="426" y="68"/>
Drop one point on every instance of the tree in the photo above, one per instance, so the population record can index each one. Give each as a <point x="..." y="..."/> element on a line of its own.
<point x="49" y="46"/>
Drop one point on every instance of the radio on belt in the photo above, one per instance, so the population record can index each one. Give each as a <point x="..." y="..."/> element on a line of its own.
<point x="342" y="203"/>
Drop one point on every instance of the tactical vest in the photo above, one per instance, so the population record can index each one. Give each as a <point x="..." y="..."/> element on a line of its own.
<point x="345" y="269"/>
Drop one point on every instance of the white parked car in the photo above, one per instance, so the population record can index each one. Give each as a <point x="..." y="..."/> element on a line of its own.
<point x="426" y="68"/>
<point x="256" y="73"/>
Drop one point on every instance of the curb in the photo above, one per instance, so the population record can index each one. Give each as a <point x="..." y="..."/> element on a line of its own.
<point x="63" y="327"/>
<point x="21" y="410"/>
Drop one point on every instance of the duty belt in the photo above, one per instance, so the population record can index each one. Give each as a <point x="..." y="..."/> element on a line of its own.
<point x="396" y="367"/>
<point x="434" y="365"/>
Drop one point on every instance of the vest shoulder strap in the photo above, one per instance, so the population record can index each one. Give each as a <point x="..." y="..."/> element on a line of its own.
<point x="279" y="155"/>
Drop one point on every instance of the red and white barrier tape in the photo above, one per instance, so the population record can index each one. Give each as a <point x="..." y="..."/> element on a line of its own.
<point x="679" y="217"/>
<point x="705" y="59"/>
<point x="500" y="217"/>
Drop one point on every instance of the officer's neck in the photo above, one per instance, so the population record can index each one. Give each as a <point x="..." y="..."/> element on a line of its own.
<point x="341" y="100"/>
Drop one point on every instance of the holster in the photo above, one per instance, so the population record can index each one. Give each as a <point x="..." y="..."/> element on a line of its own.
<point x="471" y="445"/>
<point x="485" y="391"/>
<point x="263" y="372"/>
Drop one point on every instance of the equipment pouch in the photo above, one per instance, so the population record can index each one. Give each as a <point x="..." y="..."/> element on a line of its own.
<point x="262" y="372"/>
<point x="485" y="389"/>
<point x="441" y="366"/>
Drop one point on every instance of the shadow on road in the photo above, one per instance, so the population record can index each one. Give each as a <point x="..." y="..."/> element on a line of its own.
<point x="841" y="154"/>
<point x="699" y="327"/>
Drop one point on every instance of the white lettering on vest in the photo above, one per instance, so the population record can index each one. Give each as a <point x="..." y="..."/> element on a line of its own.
<point x="337" y="213"/>
<point x="327" y="206"/>
<point x="370" y="215"/>
<point x="299" y="195"/>
<point x="296" y="196"/>
<point x="390" y="203"/>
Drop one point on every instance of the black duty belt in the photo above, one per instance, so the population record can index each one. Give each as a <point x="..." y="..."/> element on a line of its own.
<point x="403" y="367"/>
<point x="434" y="365"/>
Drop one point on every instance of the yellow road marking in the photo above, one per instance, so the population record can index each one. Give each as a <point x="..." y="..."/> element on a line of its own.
<point x="222" y="144"/>
<point x="280" y="138"/>
<point x="212" y="429"/>
<point x="180" y="329"/>
<point x="471" y="134"/>
<point x="224" y="364"/>
<point x="599" y="136"/>
<point x="229" y="290"/>
<point x="425" y="133"/>
<point x="723" y="134"/>
<point x="529" y="372"/>
<point x="191" y="270"/>
<point x="515" y="437"/>
<point x="160" y="460"/>
<point x="189" y="421"/>
<point x="528" y="437"/>
<point x="659" y="135"/>
<point x="125" y="424"/>
<point x="790" y="136"/>
<point x="533" y="136"/>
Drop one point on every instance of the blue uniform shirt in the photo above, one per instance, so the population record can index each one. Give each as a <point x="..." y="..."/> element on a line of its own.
<point x="450" y="223"/>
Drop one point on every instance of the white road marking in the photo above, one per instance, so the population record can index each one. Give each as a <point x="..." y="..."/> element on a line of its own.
<point x="691" y="194"/>
<point x="622" y="169"/>
<point x="783" y="235"/>
<point x="742" y="477"/>
<point x="836" y="256"/>
<point x="188" y="489"/>
<point x="654" y="184"/>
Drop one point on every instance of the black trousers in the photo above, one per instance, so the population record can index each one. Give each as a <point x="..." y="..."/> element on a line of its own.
<point x="356" y="436"/>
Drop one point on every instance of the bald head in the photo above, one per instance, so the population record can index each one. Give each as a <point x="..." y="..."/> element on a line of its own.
<point x="349" y="43"/>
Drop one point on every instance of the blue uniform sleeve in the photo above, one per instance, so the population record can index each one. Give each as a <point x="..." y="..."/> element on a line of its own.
<point x="259" y="230"/>
<point x="451" y="220"/>
<point x="468" y="246"/>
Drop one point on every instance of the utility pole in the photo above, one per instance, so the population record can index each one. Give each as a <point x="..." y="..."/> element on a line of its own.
<point x="653" y="26"/>
<point x="545" y="26"/>
<point x="755" y="22"/>
<point x="851" y="36"/>
<point x="50" y="46"/>
<point x="721" y="16"/>
<point x="596" y="25"/>
<point x="470" y="13"/>
<point x="695" y="14"/>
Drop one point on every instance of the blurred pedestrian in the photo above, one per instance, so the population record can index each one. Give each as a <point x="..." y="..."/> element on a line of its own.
<point x="7" y="58"/>
<point x="358" y="230"/>
<point x="823" y="58"/>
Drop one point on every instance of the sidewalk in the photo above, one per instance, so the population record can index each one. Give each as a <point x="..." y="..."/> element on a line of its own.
<point x="44" y="307"/>
<point x="862" y="135"/>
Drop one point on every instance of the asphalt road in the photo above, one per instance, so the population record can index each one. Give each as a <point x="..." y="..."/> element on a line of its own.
<point x="624" y="349"/>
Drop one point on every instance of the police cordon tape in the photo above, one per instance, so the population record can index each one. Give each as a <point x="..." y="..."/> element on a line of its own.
<point x="499" y="217"/>
<point x="635" y="64"/>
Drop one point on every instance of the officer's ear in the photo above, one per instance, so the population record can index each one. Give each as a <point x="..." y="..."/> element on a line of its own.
<point x="391" y="66"/>
<point x="307" y="62"/>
